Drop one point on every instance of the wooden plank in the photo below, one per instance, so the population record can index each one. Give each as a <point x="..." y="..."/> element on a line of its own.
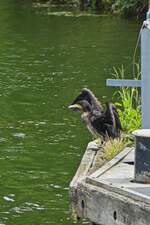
<point x="123" y="83"/>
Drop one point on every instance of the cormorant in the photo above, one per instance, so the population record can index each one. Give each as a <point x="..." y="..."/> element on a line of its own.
<point x="99" y="122"/>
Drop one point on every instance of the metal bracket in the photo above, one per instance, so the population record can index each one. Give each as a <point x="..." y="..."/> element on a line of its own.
<point x="123" y="83"/>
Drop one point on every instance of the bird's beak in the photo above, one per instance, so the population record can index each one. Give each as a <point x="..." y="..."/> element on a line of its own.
<point x="75" y="107"/>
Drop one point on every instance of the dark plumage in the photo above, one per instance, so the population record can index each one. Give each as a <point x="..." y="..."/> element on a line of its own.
<point x="99" y="122"/>
<point x="88" y="96"/>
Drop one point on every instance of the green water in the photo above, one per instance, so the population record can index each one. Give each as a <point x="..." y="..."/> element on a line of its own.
<point x="44" y="62"/>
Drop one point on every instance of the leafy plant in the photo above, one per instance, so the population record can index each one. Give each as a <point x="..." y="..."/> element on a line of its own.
<point x="129" y="103"/>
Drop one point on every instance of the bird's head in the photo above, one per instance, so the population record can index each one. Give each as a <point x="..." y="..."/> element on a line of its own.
<point x="84" y="95"/>
<point x="89" y="97"/>
<point x="81" y="106"/>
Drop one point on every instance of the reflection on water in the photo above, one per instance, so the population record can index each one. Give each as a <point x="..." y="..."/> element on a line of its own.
<point x="44" y="62"/>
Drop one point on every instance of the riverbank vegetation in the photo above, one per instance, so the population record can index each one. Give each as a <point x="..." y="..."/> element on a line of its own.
<point x="126" y="7"/>
<point x="123" y="7"/>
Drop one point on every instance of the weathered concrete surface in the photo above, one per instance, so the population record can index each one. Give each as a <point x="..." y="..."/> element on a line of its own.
<point x="93" y="159"/>
<point x="120" y="178"/>
<point x="108" y="196"/>
<point x="108" y="208"/>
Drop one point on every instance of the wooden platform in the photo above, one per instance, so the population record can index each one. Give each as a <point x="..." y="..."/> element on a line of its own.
<point x="105" y="193"/>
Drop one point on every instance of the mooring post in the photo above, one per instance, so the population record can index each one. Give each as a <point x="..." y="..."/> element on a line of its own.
<point x="142" y="156"/>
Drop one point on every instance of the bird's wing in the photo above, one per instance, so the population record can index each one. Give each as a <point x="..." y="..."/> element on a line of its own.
<point x="112" y="116"/>
<point x="98" y="123"/>
<point x="107" y="123"/>
<point x="96" y="104"/>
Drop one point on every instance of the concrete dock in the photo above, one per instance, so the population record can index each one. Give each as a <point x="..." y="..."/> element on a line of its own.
<point x="105" y="192"/>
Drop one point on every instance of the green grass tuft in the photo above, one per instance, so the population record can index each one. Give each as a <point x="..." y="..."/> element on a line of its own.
<point x="112" y="147"/>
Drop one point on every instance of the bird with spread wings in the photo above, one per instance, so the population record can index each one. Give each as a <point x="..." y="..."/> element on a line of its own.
<point x="100" y="122"/>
